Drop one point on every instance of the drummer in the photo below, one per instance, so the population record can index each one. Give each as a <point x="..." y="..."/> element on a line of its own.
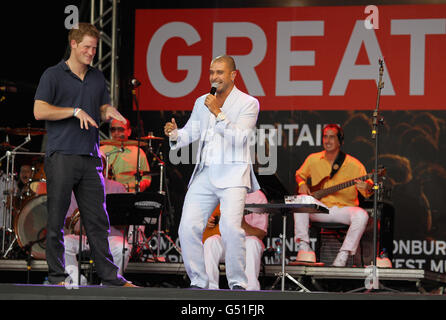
<point x="25" y="178"/>
<point x="21" y="190"/>
<point x="122" y="154"/>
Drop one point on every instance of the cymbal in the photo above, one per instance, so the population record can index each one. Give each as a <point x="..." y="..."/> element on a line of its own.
<point x="142" y="173"/>
<point x="25" y="131"/>
<point x="151" y="138"/>
<point x="119" y="143"/>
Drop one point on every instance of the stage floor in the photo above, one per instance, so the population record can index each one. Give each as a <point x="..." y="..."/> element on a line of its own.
<point x="162" y="280"/>
<point x="164" y="292"/>
<point x="50" y="292"/>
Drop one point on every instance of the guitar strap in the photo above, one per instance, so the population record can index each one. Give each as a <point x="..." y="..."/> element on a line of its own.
<point x="337" y="163"/>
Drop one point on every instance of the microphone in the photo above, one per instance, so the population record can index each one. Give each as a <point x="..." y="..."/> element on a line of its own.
<point x="214" y="87"/>
<point x="135" y="83"/>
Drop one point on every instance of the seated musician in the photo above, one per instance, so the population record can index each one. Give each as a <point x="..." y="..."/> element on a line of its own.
<point x="255" y="226"/>
<point x="122" y="165"/>
<point x="329" y="168"/>
<point x="71" y="236"/>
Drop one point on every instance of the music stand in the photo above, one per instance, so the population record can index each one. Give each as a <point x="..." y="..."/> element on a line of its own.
<point x="126" y="209"/>
<point x="275" y="192"/>
<point x="285" y="209"/>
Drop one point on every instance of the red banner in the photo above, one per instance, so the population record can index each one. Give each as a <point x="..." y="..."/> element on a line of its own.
<point x="296" y="58"/>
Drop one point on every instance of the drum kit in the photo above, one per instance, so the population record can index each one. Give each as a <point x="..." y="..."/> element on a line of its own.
<point x="24" y="212"/>
<point x="143" y="142"/>
<point x="140" y="241"/>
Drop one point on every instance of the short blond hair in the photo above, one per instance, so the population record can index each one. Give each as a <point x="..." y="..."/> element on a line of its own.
<point x="83" y="29"/>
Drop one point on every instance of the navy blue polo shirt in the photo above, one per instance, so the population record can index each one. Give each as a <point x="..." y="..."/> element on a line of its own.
<point x="60" y="87"/>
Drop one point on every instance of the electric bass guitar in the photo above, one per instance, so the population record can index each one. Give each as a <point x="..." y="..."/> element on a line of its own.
<point x="319" y="193"/>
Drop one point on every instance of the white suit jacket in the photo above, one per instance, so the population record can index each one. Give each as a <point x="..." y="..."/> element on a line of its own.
<point x="232" y="162"/>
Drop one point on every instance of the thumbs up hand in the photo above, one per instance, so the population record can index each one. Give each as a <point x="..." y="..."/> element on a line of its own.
<point x="169" y="127"/>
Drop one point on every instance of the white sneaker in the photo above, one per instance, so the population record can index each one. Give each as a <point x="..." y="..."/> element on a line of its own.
<point x="341" y="259"/>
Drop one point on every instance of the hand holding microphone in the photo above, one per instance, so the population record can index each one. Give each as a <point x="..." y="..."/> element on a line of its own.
<point x="211" y="100"/>
<point x="214" y="87"/>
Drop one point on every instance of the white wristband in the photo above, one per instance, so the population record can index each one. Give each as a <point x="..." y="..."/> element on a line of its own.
<point x="76" y="111"/>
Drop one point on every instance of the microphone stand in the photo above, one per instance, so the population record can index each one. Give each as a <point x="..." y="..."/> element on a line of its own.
<point x="376" y="120"/>
<point x="107" y="157"/>
<point x="138" y="115"/>
<point x="372" y="283"/>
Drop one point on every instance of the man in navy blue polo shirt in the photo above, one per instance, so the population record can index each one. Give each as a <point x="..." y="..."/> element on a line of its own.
<point x="73" y="98"/>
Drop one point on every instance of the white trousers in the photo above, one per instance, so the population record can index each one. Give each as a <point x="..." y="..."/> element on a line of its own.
<point x="214" y="253"/>
<point x="200" y="201"/>
<point x="355" y="217"/>
<point x="72" y="249"/>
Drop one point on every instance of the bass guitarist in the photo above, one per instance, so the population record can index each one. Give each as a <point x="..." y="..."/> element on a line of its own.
<point x="326" y="169"/>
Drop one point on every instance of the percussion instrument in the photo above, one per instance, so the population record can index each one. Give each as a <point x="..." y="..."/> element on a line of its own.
<point x="38" y="180"/>
<point x="30" y="226"/>
<point x="25" y="131"/>
<point x="142" y="173"/>
<point x="151" y="137"/>
<point x="122" y="143"/>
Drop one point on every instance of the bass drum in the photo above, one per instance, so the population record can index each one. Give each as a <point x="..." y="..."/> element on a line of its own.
<point x="30" y="226"/>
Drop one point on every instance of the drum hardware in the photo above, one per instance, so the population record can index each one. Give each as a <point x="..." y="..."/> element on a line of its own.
<point x="9" y="185"/>
<point x="158" y="234"/>
<point x="28" y="251"/>
<point x="107" y="156"/>
<point x="11" y="246"/>
<point x="167" y="208"/>
<point x="6" y="146"/>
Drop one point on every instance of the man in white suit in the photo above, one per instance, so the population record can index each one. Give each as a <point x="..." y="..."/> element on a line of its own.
<point x="223" y="123"/>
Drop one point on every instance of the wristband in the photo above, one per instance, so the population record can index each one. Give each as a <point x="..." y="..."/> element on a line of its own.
<point x="76" y="111"/>
<point x="301" y="183"/>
